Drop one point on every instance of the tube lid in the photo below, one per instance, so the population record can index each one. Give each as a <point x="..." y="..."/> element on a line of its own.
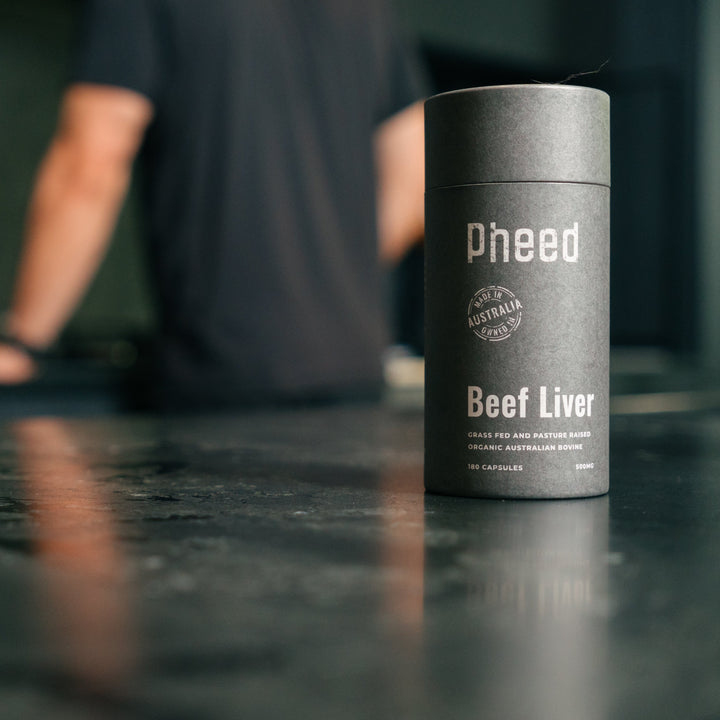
<point x="517" y="133"/>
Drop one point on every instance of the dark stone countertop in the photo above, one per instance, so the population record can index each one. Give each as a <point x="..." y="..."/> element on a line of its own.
<point x="289" y="565"/>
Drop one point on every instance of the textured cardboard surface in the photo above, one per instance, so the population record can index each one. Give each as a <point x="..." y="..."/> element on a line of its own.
<point x="517" y="133"/>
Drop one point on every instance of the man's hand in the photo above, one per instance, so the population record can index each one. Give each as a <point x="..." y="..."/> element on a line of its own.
<point x="16" y="366"/>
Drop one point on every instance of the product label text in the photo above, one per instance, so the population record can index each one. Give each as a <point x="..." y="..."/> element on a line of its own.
<point x="524" y="245"/>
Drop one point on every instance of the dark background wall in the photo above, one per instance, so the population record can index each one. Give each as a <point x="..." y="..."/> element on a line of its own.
<point x="647" y="52"/>
<point x="708" y="179"/>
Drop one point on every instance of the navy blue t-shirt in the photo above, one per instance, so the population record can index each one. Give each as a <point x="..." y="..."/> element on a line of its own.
<point x="259" y="185"/>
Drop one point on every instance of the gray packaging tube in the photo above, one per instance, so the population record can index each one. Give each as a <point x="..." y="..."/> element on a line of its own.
<point x="517" y="292"/>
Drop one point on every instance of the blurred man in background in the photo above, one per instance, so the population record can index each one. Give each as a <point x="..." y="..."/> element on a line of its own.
<point x="267" y="130"/>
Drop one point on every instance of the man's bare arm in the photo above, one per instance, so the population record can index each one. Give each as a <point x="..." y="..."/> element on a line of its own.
<point x="80" y="187"/>
<point x="400" y="160"/>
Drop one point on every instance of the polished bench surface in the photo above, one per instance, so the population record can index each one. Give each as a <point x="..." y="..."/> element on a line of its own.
<point x="289" y="565"/>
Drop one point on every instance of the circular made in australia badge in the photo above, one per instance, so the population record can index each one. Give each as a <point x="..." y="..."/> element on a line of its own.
<point x="494" y="313"/>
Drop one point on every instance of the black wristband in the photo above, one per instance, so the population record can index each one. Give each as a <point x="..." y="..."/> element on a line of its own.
<point x="7" y="338"/>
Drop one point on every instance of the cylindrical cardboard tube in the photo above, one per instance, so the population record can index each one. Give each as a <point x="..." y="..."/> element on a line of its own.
<point x="517" y="292"/>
